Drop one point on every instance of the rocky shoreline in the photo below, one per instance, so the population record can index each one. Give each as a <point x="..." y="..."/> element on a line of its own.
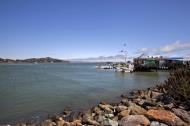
<point x="167" y="104"/>
<point x="151" y="107"/>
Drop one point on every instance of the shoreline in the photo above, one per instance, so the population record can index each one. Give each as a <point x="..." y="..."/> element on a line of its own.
<point x="140" y="107"/>
<point x="166" y="104"/>
<point x="44" y="115"/>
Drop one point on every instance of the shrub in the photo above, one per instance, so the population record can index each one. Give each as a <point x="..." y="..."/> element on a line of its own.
<point x="178" y="85"/>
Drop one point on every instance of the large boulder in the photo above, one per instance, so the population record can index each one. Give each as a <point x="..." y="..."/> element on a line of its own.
<point x="135" y="109"/>
<point x="134" y="120"/>
<point x="165" y="117"/>
<point x="184" y="115"/>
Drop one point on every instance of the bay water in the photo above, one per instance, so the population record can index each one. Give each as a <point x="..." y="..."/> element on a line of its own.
<point x="32" y="91"/>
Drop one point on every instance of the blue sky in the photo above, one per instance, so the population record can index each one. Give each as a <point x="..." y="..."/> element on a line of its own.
<point x="92" y="28"/>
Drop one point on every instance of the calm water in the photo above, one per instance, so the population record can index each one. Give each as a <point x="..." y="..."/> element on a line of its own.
<point x="35" y="90"/>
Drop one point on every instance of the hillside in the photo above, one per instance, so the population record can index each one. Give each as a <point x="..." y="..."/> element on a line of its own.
<point x="33" y="60"/>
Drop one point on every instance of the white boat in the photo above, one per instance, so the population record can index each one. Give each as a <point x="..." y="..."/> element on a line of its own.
<point x="104" y="67"/>
<point x="128" y="69"/>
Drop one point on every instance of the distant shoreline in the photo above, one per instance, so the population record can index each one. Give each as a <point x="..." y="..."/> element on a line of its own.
<point x="32" y="61"/>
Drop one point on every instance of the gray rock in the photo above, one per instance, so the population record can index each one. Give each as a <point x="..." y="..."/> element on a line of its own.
<point x="141" y="102"/>
<point x="100" y="118"/>
<point x="93" y="114"/>
<point x="163" y="124"/>
<point x="169" y="106"/>
<point x="184" y="115"/>
<point x="109" y="115"/>
<point x="109" y="122"/>
<point x="154" y="123"/>
<point x="124" y="101"/>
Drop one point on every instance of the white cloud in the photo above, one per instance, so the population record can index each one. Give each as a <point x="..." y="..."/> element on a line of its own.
<point x="167" y="49"/>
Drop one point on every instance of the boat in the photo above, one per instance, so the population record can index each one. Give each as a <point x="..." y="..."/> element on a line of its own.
<point x="104" y="67"/>
<point x="126" y="69"/>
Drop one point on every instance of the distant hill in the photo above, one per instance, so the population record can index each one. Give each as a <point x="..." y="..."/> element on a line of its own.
<point x="33" y="60"/>
<point x="116" y="58"/>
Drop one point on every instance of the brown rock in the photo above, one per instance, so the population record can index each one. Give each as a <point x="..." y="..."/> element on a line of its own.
<point x="67" y="112"/>
<point x="87" y="119"/>
<point x="93" y="122"/>
<point x="67" y="124"/>
<point x="97" y="110"/>
<point x="20" y="124"/>
<point x="120" y="108"/>
<point x="77" y="123"/>
<point x="60" y="122"/>
<point x="48" y="122"/>
<point x="106" y="108"/>
<point x="165" y="116"/>
<point x="103" y="103"/>
<point x="124" y="113"/>
<point x="134" y="120"/>
<point x="135" y="109"/>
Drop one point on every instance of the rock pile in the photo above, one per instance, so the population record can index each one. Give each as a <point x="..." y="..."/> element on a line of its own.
<point x="151" y="107"/>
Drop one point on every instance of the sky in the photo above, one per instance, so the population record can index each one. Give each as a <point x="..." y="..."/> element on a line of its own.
<point x="69" y="29"/>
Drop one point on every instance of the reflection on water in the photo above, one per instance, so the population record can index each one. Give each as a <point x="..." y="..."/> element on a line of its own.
<point x="37" y="89"/>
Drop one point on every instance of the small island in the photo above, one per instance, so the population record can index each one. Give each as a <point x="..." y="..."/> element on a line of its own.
<point x="32" y="60"/>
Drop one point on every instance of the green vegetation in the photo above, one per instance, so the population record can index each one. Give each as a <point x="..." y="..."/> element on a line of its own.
<point x="178" y="85"/>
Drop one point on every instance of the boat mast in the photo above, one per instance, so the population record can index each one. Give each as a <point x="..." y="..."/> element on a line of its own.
<point x="124" y="51"/>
